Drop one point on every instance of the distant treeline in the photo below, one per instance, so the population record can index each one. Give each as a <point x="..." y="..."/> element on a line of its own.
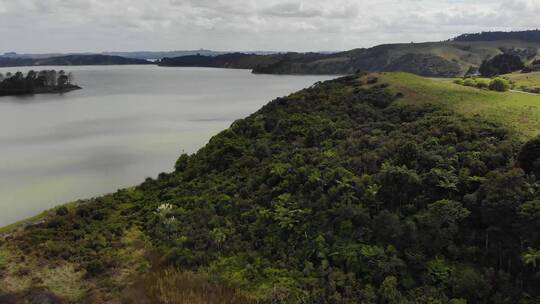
<point x="71" y="60"/>
<point x="46" y="81"/>
<point x="232" y="60"/>
<point x="529" y="36"/>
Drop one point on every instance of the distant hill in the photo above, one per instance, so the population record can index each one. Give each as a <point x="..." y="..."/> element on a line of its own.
<point x="147" y="55"/>
<point x="379" y="58"/>
<point x="529" y="36"/>
<point x="449" y="58"/>
<point x="71" y="60"/>
<point x="152" y="55"/>
<point x="434" y="59"/>
<point x="179" y="53"/>
<point x="233" y="60"/>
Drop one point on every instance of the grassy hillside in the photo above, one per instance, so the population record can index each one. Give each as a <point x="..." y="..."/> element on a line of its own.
<point x="434" y="59"/>
<point x="514" y="110"/>
<point x="528" y="79"/>
<point x="379" y="188"/>
<point x="525" y="81"/>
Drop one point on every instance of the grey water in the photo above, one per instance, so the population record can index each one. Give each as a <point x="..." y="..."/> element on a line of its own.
<point x="126" y="124"/>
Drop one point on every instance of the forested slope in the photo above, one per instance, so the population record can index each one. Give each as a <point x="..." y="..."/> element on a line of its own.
<point x="339" y="193"/>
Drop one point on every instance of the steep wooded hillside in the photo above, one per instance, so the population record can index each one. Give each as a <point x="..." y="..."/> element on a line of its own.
<point x="354" y="190"/>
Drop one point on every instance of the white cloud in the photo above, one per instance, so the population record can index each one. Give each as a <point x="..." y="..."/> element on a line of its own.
<point x="94" y="25"/>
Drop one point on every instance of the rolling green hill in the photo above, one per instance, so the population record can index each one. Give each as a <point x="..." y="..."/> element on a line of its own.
<point x="432" y="59"/>
<point x="371" y="188"/>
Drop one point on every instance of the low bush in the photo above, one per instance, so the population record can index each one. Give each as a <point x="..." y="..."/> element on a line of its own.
<point x="482" y="84"/>
<point x="499" y="84"/>
<point x="469" y="82"/>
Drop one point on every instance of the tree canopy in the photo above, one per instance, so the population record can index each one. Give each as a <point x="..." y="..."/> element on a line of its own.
<point x="501" y="64"/>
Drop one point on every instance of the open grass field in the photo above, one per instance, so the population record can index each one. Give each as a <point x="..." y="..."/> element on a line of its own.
<point x="516" y="110"/>
<point x="530" y="80"/>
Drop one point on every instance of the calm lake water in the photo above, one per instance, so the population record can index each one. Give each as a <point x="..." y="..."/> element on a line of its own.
<point x="128" y="123"/>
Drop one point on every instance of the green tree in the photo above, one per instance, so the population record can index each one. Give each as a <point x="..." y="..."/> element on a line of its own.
<point x="532" y="258"/>
<point x="441" y="223"/>
<point x="399" y="184"/>
<point x="499" y="85"/>
<point x="529" y="156"/>
<point x="389" y="292"/>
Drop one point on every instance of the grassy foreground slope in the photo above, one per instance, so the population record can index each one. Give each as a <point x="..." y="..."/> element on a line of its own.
<point x="366" y="189"/>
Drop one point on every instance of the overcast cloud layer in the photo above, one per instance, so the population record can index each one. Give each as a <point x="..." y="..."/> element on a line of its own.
<point x="122" y="25"/>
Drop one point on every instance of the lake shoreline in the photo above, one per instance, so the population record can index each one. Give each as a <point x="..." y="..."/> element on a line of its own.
<point x="126" y="124"/>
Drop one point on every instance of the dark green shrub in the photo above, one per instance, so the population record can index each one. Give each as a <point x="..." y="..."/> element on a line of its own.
<point x="482" y="84"/>
<point x="459" y="81"/>
<point x="529" y="157"/>
<point x="501" y="64"/>
<point x="469" y="82"/>
<point x="62" y="210"/>
<point x="499" y="85"/>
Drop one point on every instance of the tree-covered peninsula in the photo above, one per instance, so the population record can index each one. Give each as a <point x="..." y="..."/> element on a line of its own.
<point x="45" y="81"/>
<point x="372" y="188"/>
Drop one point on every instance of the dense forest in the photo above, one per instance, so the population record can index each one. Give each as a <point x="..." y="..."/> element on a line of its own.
<point x="501" y="64"/>
<point x="46" y="81"/>
<point x="335" y="195"/>
<point x="529" y="36"/>
<point x="338" y="193"/>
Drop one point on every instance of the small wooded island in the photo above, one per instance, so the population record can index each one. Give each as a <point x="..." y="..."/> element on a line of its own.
<point x="46" y="81"/>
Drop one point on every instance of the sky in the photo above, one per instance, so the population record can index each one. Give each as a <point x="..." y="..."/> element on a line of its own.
<point x="43" y="26"/>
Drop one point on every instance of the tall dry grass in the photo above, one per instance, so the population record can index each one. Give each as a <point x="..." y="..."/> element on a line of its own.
<point x="171" y="286"/>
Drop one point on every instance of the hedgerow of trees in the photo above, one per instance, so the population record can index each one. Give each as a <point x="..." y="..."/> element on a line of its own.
<point x="496" y="84"/>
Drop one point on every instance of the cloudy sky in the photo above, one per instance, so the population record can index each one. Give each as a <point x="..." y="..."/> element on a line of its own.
<point x="310" y="25"/>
